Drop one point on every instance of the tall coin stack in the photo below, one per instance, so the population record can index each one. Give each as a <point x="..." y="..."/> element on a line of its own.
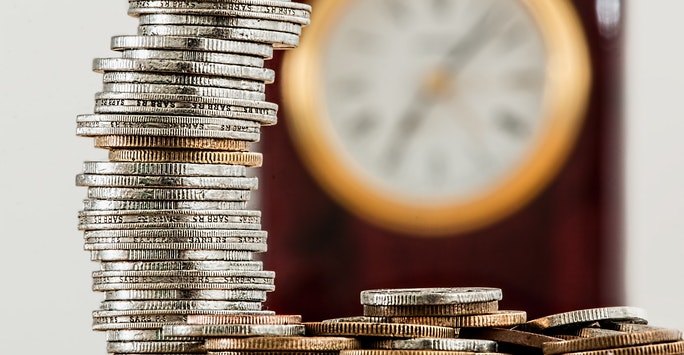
<point x="166" y="216"/>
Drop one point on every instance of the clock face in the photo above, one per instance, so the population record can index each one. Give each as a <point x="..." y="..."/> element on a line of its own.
<point x="436" y="116"/>
<point x="435" y="100"/>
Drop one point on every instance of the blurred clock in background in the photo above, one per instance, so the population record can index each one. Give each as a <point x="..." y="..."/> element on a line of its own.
<point x="444" y="143"/>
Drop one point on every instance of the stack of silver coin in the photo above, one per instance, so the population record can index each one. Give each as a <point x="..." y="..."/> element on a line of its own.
<point x="166" y="215"/>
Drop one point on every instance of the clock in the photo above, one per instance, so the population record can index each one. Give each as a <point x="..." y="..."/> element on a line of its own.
<point x="436" y="117"/>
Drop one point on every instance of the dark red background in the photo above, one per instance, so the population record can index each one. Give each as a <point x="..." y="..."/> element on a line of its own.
<point x="562" y="252"/>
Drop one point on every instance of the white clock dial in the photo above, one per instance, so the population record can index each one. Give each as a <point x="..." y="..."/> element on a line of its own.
<point x="435" y="99"/>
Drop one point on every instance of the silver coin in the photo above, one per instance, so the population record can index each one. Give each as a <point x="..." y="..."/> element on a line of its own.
<point x="192" y="235"/>
<point x="438" y="344"/>
<point x="234" y="330"/>
<point x="254" y="248"/>
<point x="220" y="21"/>
<point x="130" y="320"/>
<point x="208" y="265"/>
<point x="182" y="79"/>
<point x="207" y="305"/>
<point x="163" y="169"/>
<point x="158" y="240"/>
<point x="184" y="90"/>
<point x="130" y="276"/>
<point x="157" y="347"/>
<point x="429" y="296"/>
<point x="171" y="219"/>
<point x="633" y="314"/>
<point x="167" y="104"/>
<point x="164" y="255"/>
<point x="106" y="205"/>
<point x="120" y="193"/>
<point x="183" y="67"/>
<point x="221" y="295"/>
<point x="93" y="129"/>
<point x="201" y="182"/>
<point x="168" y="122"/>
<point x="262" y="50"/>
<point x="141" y="335"/>
<point x="194" y="56"/>
<point x="277" y="39"/>
<point x="201" y="284"/>
<point x="294" y="12"/>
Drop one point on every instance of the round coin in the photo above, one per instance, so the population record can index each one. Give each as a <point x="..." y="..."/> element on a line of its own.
<point x="277" y="39"/>
<point x="615" y="340"/>
<point x="221" y="21"/>
<point x="200" y="182"/>
<point x="431" y="310"/>
<point x="283" y="343"/>
<point x="158" y="347"/>
<point x="170" y="255"/>
<point x="194" y="56"/>
<point x="106" y="205"/>
<point x="249" y="159"/>
<point x="119" y="43"/>
<point x="429" y="296"/>
<point x="182" y="79"/>
<point x="633" y="314"/>
<point x="218" y="319"/>
<point x="215" y="295"/>
<point x="388" y="330"/>
<point x="498" y="319"/>
<point x="234" y="330"/>
<point x="509" y="336"/>
<point x="444" y="344"/>
<point x="193" y="235"/>
<point x="125" y="193"/>
<point x="184" y="90"/>
<point x="164" y="169"/>
<point x="254" y="248"/>
<point x="171" y="143"/>
<point x="102" y="65"/>
<point x="160" y="305"/>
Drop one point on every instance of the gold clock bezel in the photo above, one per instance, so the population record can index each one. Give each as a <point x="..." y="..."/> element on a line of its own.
<point x="568" y="79"/>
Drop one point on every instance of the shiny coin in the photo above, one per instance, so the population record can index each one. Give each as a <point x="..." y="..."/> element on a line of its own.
<point x="445" y="344"/>
<point x="107" y="205"/>
<point x="429" y="296"/>
<point x="184" y="90"/>
<point x="216" y="295"/>
<point x="144" y="347"/>
<point x="102" y="65"/>
<point x="182" y="79"/>
<point x="201" y="182"/>
<point x="125" y="193"/>
<point x="234" y="330"/>
<point x="194" y="56"/>
<point x="244" y="319"/>
<point x="498" y="319"/>
<point x="220" y="21"/>
<point x="135" y="255"/>
<point x="277" y="39"/>
<point x="248" y="159"/>
<point x="255" y="248"/>
<point x="160" y="305"/>
<point x="195" y="236"/>
<point x="119" y="43"/>
<point x="163" y="169"/>
<point x="139" y="335"/>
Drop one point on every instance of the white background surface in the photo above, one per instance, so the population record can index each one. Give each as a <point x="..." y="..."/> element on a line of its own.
<point x="46" y="49"/>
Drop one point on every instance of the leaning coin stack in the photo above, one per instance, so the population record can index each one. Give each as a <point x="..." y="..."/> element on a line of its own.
<point x="166" y="215"/>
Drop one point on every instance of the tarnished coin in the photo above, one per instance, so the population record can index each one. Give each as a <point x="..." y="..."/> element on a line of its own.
<point x="431" y="310"/>
<point x="429" y="296"/>
<point x="234" y="330"/>
<point x="163" y="169"/>
<point x="579" y="317"/>
<point x="498" y="319"/>
<point x="444" y="344"/>
<point x="283" y="343"/>
<point x="651" y="349"/>
<point x="218" y="295"/>
<point x="602" y="339"/>
<point x="368" y="329"/>
<point x="509" y="336"/>
<point x="244" y="319"/>
<point x="249" y="159"/>
<point x="412" y="352"/>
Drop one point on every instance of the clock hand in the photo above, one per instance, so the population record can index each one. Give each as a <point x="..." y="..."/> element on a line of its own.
<point x="467" y="48"/>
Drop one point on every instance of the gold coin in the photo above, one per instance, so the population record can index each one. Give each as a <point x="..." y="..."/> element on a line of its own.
<point x="170" y="143"/>
<point x="295" y="343"/>
<point x="388" y="330"/>
<point x="432" y="310"/>
<point x="218" y="319"/>
<point x="612" y="339"/>
<point x="186" y="156"/>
